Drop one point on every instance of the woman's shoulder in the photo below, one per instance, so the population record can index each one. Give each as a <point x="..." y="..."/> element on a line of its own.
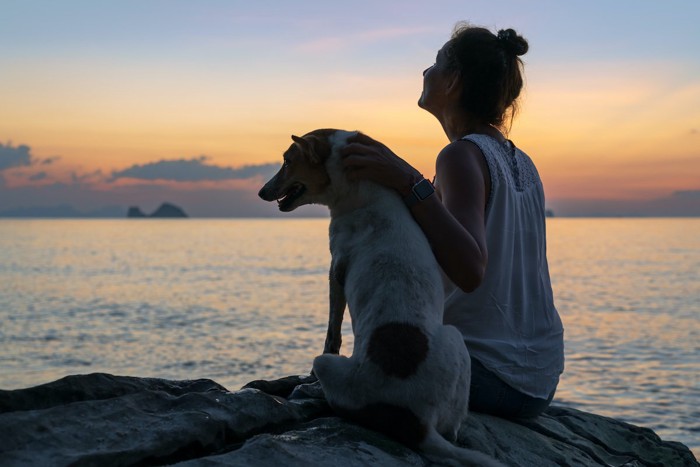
<point x="462" y="163"/>
<point x="460" y="153"/>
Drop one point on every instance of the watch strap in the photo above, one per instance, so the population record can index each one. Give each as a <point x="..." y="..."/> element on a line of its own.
<point x="419" y="191"/>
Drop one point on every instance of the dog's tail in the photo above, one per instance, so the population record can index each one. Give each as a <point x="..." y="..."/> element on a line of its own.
<point x="441" y="452"/>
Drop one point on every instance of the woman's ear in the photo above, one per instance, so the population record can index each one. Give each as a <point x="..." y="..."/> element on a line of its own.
<point x="454" y="84"/>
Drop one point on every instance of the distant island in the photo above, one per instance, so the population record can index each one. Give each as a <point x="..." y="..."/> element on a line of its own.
<point x="165" y="210"/>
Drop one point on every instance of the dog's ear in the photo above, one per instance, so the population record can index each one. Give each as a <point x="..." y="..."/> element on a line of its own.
<point x="306" y="147"/>
<point x="317" y="148"/>
<point x="310" y="146"/>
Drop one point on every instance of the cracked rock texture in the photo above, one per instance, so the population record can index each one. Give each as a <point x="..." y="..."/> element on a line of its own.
<point x="105" y="420"/>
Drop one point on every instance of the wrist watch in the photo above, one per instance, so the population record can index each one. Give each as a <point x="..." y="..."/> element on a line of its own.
<point x="420" y="191"/>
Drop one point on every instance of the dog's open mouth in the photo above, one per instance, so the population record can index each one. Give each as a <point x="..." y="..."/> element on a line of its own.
<point x="292" y="194"/>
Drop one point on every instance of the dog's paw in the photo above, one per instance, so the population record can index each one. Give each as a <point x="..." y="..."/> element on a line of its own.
<point x="280" y="387"/>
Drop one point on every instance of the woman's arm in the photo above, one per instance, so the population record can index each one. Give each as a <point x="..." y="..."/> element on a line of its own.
<point x="453" y="221"/>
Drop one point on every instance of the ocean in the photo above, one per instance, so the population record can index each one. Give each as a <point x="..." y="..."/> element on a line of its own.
<point x="237" y="300"/>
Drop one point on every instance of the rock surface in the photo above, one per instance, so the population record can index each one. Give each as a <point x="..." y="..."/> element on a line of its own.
<point x="100" y="419"/>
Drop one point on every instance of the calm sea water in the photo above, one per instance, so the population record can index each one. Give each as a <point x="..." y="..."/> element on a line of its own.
<point x="236" y="300"/>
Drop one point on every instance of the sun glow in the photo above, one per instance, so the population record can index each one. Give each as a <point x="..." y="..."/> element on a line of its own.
<point x="598" y="125"/>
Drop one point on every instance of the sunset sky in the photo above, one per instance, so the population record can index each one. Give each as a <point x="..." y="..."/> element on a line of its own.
<point x="118" y="103"/>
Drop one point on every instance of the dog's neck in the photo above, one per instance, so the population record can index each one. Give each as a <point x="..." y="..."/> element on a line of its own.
<point x="354" y="196"/>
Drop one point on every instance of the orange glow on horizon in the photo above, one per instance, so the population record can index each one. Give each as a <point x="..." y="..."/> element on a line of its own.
<point x="592" y="135"/>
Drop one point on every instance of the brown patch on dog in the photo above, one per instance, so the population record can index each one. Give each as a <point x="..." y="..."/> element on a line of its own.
<point x="316" y="144"/>
<point x="396" y="422"/>
<point x="302" y="176"/>
<point x="398" y="348"/>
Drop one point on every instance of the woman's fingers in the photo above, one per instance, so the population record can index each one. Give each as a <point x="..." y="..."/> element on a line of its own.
<point x="356" y="173"/>
<point x="359" y="163"/>
<point x="365" y="158"/>
<point x="355" y="148"/>
<point x="362" y="138"/>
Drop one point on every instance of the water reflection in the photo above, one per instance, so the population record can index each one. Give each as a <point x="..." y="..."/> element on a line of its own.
<point x="236" y="300"/>
<point x="629" y="297"/>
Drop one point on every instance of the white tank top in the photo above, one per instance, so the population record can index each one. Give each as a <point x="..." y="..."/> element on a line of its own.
<point x="509" y="322"/>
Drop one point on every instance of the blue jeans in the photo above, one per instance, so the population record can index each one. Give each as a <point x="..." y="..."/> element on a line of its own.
<point x="489" y="394"/>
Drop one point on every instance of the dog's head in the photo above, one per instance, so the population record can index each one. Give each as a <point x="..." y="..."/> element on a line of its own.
<point x="303" y="177"/>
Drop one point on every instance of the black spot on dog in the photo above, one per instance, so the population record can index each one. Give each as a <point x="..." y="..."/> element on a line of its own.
<point x="396" y="422"/>
<point x="398" y="348"/>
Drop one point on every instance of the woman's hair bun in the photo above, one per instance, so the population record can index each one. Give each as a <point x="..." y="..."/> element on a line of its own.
<point x="512" y="42"/>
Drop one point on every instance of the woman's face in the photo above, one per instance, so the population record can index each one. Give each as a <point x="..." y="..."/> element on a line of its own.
<point x="436" y="80"/>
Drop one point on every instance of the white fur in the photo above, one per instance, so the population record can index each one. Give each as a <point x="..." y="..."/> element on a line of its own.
<point x="383" y="268"/>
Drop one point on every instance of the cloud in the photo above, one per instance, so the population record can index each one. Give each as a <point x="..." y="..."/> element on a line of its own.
<point x="86" y="178"/>
<point x="37" y="176"/>
<point x="192" y="170"/>
<point x="682" y="203"/>
<point x="14" y="156"/>
<point x="49" y="160"/>
<point x="687" y="194"/>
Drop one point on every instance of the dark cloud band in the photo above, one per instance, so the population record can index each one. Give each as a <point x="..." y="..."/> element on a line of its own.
<point x="192" y="170"/>
<point x="14" y="156"/>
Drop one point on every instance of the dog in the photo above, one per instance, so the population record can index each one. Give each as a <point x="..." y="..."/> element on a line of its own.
<point x="408" y="376"/>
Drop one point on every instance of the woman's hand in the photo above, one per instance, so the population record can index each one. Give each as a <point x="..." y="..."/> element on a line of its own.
<point x="367" y="159"/>
<point x="453" y="222"/>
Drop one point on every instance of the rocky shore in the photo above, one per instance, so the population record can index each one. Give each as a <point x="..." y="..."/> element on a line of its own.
<point x="101" y="419"/>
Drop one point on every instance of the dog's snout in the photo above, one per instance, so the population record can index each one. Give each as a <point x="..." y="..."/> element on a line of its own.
<point x="265" y="193"/>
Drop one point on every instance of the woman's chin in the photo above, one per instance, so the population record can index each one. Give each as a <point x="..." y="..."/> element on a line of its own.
<point x="421" y="104"/>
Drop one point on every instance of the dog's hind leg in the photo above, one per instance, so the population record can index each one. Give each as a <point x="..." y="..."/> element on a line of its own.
<point x="336" y="375"/>
<point x="331" y="368"/>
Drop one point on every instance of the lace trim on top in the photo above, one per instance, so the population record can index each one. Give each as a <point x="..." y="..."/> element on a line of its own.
<point x="507" y="163"/>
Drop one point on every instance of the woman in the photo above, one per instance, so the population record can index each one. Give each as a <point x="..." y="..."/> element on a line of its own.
<point x="486" y="221"/>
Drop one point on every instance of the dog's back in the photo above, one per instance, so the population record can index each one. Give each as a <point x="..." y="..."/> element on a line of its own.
<point x="408" y="371"/>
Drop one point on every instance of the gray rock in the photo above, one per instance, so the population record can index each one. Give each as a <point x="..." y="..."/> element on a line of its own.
<point x="324" y="442"/>
<point x="108" y="420"/>
<point x="127" y="421"/>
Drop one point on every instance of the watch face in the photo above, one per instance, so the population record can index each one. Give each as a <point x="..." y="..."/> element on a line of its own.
<point x="423" y="189"/>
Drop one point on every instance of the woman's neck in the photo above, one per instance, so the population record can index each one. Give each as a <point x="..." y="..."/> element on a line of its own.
<point x="459" y="124"/>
